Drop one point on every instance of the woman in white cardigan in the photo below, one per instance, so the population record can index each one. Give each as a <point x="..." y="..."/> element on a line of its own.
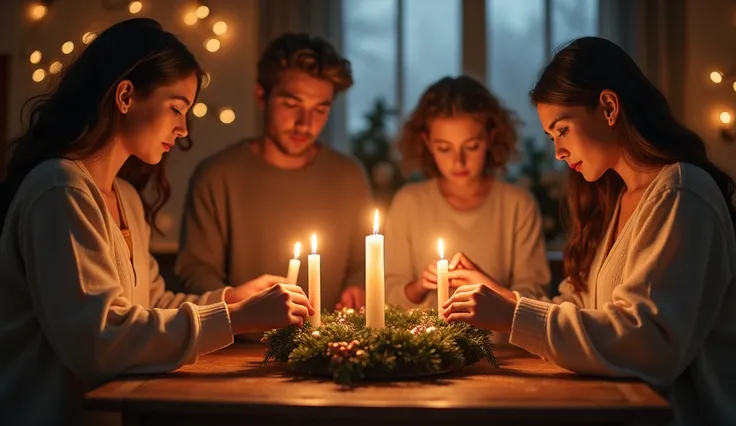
<point x="81" y="299"/>
<point x="651" y="258"/>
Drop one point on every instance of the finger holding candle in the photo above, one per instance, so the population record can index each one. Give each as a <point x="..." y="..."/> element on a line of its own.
<point x="375" y="290"/>
<point x="294" y="265"/>
<point x="315" y="292"/>
<point x="443" y="285"/>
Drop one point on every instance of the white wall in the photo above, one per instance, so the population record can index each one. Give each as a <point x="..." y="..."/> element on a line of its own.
<point x="710" y="44"/>
<point x="233" y="69"/>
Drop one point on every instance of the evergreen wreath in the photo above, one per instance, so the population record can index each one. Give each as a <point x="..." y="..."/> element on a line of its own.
<point x="414" y="343"/>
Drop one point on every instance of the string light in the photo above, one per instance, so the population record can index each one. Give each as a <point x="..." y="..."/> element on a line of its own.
<point x="199" y="110"/>
<point x="135" y="7"/>
<point x="38" y="11"/>
<point x="219" y="28"/>
<point x="227" y="115"/>
<point x="203" y="12"/>
<point x="190" y="18"/>
<point x="88" y="37"/>
<point x="36" y="57"/>
<point x="716" y="76"/>
<point x="38" y="75"/>
<point x="67" y="47"/>
<point x="212" y="44"/>
<point x="725" y="117"/>
<point x="55" y="67"/>
<point x="734" y="86"/>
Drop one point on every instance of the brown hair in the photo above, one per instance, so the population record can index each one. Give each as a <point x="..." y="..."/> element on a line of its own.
<point x="77" y="117"/>
<point x="576" y="76"/>
<point x="451" y="97"/>
<point x="313" y="55"/>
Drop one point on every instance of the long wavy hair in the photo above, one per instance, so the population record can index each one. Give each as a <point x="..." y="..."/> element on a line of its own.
<point x="77" y="117"/>
<point x="576" y="76"/>
<point x="452" y="97"/>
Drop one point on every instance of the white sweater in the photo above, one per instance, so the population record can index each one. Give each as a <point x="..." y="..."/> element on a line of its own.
<point x="661" y="306"/>
<point x="74" y="311"/>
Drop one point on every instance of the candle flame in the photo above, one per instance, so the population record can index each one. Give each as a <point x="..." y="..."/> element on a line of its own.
<point x="441" y="248"/>
<point x="375" y="222"/>
<point x="297" y="250"/>
<point x="314" y="244"/>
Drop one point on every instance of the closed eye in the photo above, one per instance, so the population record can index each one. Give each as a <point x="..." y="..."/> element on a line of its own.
<point x="176" y="111"/>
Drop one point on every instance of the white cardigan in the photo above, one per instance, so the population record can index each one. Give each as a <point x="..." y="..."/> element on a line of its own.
<point x="661" y="306"/>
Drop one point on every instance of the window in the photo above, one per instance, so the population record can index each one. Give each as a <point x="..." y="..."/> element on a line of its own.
<point x="399" y="47"/>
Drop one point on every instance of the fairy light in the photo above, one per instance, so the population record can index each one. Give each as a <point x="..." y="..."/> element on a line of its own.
<point x="135" y="7"/>
<point x="725" y="117"/>
<point x="219" y="28"/>
<point x="199" y="110"/>
<point x="190" y="18"/>
<point x="212" y="44"/>
<point x="67" y="47"/>
<point x="88" y="37"/>
<point x="716" y="77"/>
<point x="38" y="11"/>
<point x="202" y="12"/>
<point x="35" y="57"/>
<point x="227" y="115"/>
<point x="38" y="75"/>
<point x="55" y="67"/>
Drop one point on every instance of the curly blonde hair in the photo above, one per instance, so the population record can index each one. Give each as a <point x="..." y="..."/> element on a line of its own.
<point x="452" y="97"/>
<point x="313" y="55"/>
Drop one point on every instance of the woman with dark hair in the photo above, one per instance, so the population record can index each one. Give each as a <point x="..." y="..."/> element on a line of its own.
<point x="651" y="256"/>
<point x="81" y="299"/>
<point x="459" y="135"/>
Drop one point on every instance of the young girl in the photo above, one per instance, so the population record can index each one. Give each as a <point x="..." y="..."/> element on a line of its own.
<point x="651" y="258"/>
<point x="81" y="299"/>
<point x="458" y="135"/>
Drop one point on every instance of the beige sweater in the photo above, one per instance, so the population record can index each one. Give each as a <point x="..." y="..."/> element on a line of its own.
<point x="503" y="236"/>
<point x="75" y="310"/>
<point x="661" y="306"/>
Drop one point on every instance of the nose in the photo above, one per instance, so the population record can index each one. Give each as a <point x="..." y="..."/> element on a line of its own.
<point x="304" y="120"/>
<point x="460" y="157"/>
<point x="560" y="152"/>
<point x="181" y="130"/>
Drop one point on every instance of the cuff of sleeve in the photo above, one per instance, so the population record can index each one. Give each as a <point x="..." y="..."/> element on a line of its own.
<point x="529" y="327"/>
<point x="215" y="331"/>
<point x="216" y="296"/>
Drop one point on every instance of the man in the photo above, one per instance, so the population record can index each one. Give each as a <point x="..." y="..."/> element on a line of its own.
<point x="249" y="204"/>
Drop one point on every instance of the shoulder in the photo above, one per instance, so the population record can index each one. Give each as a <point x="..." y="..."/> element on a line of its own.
<point x="515" y="196"/>
<point x="414" y="194"/>
<point x="689" y="190"/>
<point x="57" y="173"/>
<point x="345" y="165"/>
<point x="221" y="163"/>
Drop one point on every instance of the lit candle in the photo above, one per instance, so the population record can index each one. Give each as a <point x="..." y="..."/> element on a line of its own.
<point x="443" y="284"/>
<point x="314" y="284"/>
<point x="294" y="264"/>
<point x="375" y="294"/>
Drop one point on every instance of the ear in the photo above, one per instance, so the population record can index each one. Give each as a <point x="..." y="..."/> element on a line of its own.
<point x="261" y="96"/>
<point x="124" y="96"/>
<point x="610" y="106"/>
<point x="425" y="139"/>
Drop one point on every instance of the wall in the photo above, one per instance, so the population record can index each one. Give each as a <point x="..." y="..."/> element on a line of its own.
<point x="232" y="68"/>
<point x="710" y="44"/>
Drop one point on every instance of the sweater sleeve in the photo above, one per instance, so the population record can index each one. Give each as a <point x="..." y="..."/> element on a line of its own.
<point x="399" y="264"/>
<point x="200" y="263"/>
<point x="531" y="274"/>
<point x="677" y="272"/>
<point x="74" y="284"/>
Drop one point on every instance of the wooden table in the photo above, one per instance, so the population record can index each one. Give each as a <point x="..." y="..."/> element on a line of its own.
<point x="232" y="386"/>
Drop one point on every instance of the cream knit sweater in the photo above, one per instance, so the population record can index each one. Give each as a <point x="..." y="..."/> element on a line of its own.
<point x="660" y="306"/>
<point x="75" y="310"/>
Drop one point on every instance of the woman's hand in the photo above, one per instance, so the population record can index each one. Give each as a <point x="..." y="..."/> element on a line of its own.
<point x="481" y="306"/>
<point x="277" y="306"/>
<point x="418" y="290"/>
